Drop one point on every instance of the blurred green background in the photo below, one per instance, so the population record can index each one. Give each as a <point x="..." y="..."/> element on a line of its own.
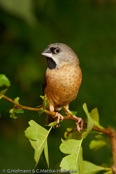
<point x="26" y="28"/>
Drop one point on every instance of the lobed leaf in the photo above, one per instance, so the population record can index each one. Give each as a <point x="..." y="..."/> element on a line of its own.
<point x="17" y="100"/>
<point x="90" y="123"/>
<point x="73" y="161"/>
<point x="109" y="172"/>
<point x="52" y="124"/>
<point x="37" y="136"/>
<point x="95" y="117"/>
<point x="74" y="112"/>
<point x="2" y="93"/>
<point x="40" y="111"/>
<point x="90" y="168"/>
<point x="46" y="104"/>
<point x="12" y="113"/>
<point x="95" y="145"/>
<point x="99" y="143"/>
<point x="4" y="81"/>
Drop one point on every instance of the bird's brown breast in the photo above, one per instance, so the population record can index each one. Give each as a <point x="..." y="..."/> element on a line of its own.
<point x="63" y="84"/>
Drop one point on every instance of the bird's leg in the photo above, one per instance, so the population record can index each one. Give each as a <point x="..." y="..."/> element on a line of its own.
<point x="58" y="116"/>
<point x="79" y="122"/>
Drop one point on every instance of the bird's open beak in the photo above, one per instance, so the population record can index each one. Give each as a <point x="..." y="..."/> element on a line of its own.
<point x="47" y="53"/>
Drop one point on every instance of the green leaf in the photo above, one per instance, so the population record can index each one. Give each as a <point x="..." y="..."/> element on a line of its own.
<point x="95" y="117"/>
<point x="17" y="100"/>
<point x="40" y="111"/>
<point x="13" y="110"/>
<point x="109" y="172"/>
<point x="52" y="124"/>
<point x="99" y="143"/>
<point x="2" y="93"/>
<point x="70" y="146"/>
<point x="37" y="136"/>
<point x="90" y="123"/>
<point x="22" y="9"/>
<point x="46" y="104"/>
<point x="73" y="161"/>
<point x="4" y="81"/>
<point x="19" y="111"/>
<point x="12" y="113"/>
<point x="74" y="112"/>
<point x="90" y="168"/>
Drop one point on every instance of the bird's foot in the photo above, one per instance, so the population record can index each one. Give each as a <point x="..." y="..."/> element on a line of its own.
<point x="59" y="117"/>
<point x="79" y="124"/>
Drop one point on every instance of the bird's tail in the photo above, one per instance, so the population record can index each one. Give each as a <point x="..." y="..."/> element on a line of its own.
<point x="49" y="119"/>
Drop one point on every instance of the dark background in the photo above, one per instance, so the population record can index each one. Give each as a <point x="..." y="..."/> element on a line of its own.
<point x="26" y="28"/>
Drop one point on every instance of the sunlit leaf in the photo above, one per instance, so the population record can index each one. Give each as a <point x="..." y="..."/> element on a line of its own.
<point x="2" y="93"/>
<point x="109" y="172"/>
<point x="100" y="142"/>
<point x="90" y="123"/>
<point x="70" y="146"/>
<point x="12" y="113"/>
<point x="4" y="81"/>
<point x="37" y="136"/>
<point x="52" y="124"/>
<point x="95" y="117"/>
<point x="17" y="100"/>
<point x="73" y="161"/>
<point x="97" y="144"/>
<point x="90" y="168"/>
<point x="74" y="112"/>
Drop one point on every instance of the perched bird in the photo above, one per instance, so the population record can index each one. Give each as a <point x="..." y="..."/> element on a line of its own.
<point x="62" y="78"/>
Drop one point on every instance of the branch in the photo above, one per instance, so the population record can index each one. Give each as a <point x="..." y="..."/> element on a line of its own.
<point x="53" y="114"/>
<point x="109" y="132"/>
<point x="26" y="107"/>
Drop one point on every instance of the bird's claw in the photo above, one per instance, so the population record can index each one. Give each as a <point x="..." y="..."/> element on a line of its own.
<point x="79" y="124"/>
<point x="59" y="117"/>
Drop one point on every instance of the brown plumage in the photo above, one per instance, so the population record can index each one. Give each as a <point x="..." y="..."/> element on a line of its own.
<point x="63" y="76"/>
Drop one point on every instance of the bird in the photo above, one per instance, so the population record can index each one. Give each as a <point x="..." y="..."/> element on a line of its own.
<point x="62" y="79"/>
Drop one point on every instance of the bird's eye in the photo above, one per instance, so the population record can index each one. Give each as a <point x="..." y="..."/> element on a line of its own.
<point x="57" y="50"/>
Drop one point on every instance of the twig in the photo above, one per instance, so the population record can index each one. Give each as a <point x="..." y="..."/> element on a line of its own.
<point x="26" y="107"/>
<point x="109" y="132"/>
<point x="68" y="117"/>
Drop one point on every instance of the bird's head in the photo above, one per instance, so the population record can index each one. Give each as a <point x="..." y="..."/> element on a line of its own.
<point x="59" y="54"/>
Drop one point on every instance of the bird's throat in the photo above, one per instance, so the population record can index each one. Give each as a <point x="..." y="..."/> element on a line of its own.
<point x="51" y="63"/>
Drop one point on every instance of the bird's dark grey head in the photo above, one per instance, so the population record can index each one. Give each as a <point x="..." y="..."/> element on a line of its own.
<point x="59" y="54"/>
